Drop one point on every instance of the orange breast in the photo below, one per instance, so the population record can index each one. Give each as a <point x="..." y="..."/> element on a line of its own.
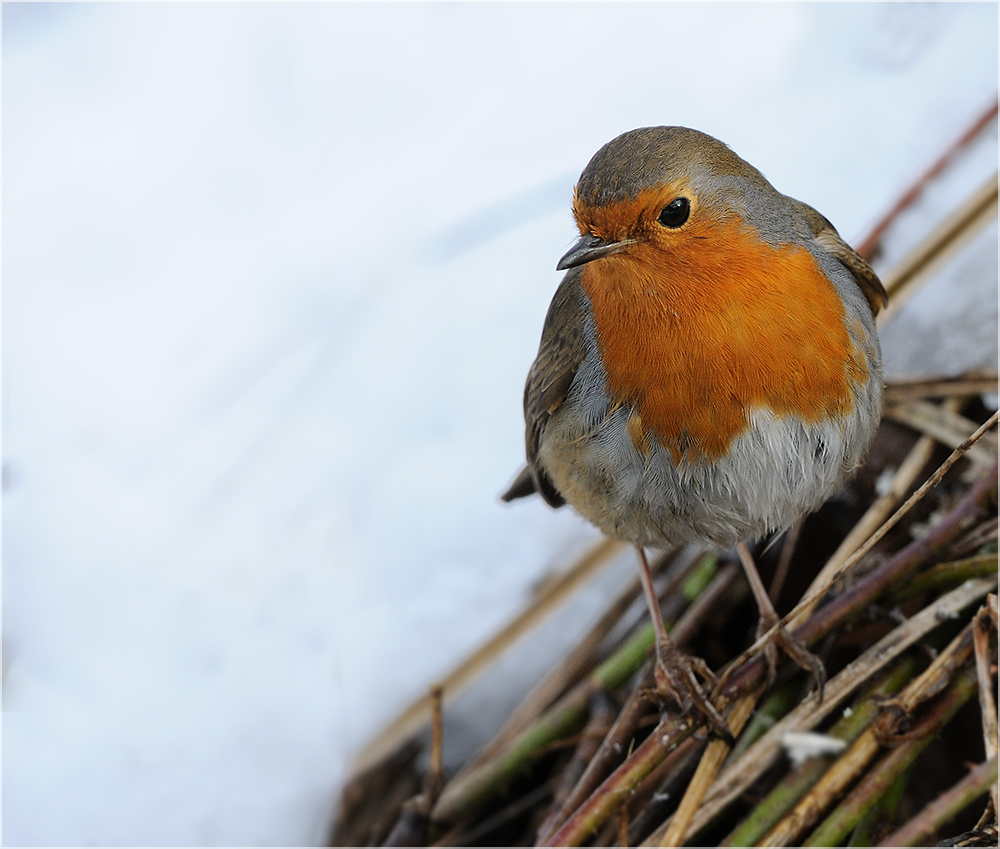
<point x="698" y="335"/>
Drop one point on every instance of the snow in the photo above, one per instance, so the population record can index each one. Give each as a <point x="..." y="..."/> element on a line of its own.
<point x="274" y="275"/>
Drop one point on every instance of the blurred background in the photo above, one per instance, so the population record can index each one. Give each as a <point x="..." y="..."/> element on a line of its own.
<point x="273" y="278"/>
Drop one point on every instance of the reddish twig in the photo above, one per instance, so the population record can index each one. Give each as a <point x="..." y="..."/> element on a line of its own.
<point x="870" y="245"/>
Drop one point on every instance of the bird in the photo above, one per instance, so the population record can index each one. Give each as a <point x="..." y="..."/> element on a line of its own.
<point x="709" y="370"/>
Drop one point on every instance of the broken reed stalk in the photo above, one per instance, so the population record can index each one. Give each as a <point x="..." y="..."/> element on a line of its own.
<point x="786" y="794"/>
<point x="435" y="773"/>
<point x="866" y="747"/>
<point x="987" y="703"/>
<point x="877" y="781"/>
<point x="918" y="830"/>
<point x="411" y="826"/>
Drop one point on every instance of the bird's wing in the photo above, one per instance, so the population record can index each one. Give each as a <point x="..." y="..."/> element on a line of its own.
<point x="829" y="239"/>
<point x="559" y="357"/>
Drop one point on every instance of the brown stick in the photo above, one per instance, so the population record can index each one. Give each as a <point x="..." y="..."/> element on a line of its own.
<point x="711" y="761"/>
<point x="435" y="774"/>
<point x="970" y="383"/>
<point x="602" y="719"/>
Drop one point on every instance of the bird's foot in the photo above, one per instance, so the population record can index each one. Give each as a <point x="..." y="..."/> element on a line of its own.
<point x="676" y="675"/>
<point x="795" y="649"/>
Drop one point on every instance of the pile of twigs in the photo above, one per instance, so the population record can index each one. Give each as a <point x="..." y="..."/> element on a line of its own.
<point x="895" y="581"/>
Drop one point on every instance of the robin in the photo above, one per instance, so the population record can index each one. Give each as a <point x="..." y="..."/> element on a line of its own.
<point x="709" y="370"/>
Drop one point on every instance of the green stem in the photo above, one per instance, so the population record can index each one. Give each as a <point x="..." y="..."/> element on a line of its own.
<point x="885" y="810"/>
<point x="947" y="574"/>
<point x="774" y="708"/>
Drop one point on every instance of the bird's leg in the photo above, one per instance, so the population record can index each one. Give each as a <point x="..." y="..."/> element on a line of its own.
<point x="781" y="638"/>
<point x="675" y="671"/>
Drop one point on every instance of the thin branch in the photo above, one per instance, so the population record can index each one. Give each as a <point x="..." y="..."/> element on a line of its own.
<point x="870" y="245"/>
<point x="946" y="426"/>
<point x="814" y="595"/>
<point x="947" y="239"/>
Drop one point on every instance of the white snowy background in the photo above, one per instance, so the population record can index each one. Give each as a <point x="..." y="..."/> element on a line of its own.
<point x="273" y="276"/>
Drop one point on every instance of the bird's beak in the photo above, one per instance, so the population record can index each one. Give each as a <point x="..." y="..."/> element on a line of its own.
<point x="588" y="248"/>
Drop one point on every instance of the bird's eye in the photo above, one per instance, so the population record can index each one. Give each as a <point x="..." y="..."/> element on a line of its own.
<point x="675" y="213"/>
